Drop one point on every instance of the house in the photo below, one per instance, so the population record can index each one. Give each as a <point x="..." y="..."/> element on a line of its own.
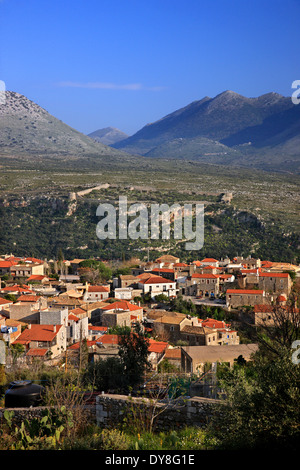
<point x="43" y="340"/>
<point x="183" y="269"/>
<point x="92" y="310"/>
<point x="239" y="297"/>
<point x="156" y="351"/>
<point x="125" y="280"/>
<point x="96" y="293"/>
<point x="274" y="282"/>
<point x="156" y="285"/>
<point x="173" y="356"/>
<point x="54" y="316"/>
<point x="167" y="273"/>
<point x="167" y="260"/>
<point x="27" y="308"/>
<point x="106" y="346"/>
<point x="77" y="328"/>
<point x="209" y="262"/>
<point x="194" y="358"/>
<point x="121" y="313"/>
<point x="199" y="335"/>
<point x="16" y="290"/>
<point x="96" y="331"/>
<point x="10" y="330"/>
<point x="27" y="268"/>
<point x="64" y="300"/>
<point x="268" y="315"/>
<point x="5" y="304"/>
<point x="248" y="263"/>
<point x="5" y="266"/>
<point x="201" y="285"/>
<point x="225" y="279"/>
<point x="168" y="325"/>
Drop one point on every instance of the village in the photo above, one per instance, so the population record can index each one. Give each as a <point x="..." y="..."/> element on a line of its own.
<point x="49" y="317"/>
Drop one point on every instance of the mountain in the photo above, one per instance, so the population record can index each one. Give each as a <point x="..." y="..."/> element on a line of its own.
<point x="228" y="125"/>
<point x="28" y="129"/>
<point x="108" y="135"/>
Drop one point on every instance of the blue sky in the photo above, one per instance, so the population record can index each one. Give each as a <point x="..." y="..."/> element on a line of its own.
<point x="125" y="63"/>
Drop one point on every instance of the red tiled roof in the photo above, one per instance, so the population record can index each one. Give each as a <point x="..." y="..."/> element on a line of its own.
<point x="281" y="298"/>
<point x="207" y="260"/>
<point x="7" y="264"/>
<point x="273" y="274"/>
<point x="121" y="305"/>
<point x="39" y="333"/>
<point x="108" y="339"/>
<point x="88" y="343"/>
<point x="212" y="323"/>
<point x="174" y="353"/>
<point x="204" y="276"/>
<point x="72" y="317"/>
<point x="28" y="298"/>
<point x="156" y="280"/>
<point x="37" y="352"/>
<point x="267" y="264"/>
<point x="97" y="328"/>
<point x="163" y="270"/>
<point x="98" y="289"/>
<point x="5" y="301"/>
<point x="36" y="277"/>
<point x="77" y="311"/>
<point x="263" y="308"/>
<point x="157" y="346"/>
<point x="244" y="291"/>
<point x="16" y="288"/>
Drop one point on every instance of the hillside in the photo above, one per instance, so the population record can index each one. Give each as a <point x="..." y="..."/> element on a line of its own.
<point x="108" y="135"/>
<point x="265" y="130"/>
<point x="28" y="129"/>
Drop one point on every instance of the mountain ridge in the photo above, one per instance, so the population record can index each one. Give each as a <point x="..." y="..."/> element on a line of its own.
<point x="28" y="129"/>
<point x="269" y="123"/>
<point x="108" y="135"/>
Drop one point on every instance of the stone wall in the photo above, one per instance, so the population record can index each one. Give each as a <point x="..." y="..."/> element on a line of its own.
<point x="113" y="410"/>
<point x="20" y="414"/>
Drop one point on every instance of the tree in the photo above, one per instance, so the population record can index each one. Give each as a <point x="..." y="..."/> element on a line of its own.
<point x="94" y="271"/>
<point x="16" y="350"/>
<point x="133" y="353"/>
<point x="126" y="370"/>
<point x="261" y="409"/>
<point x="276" y="337"/>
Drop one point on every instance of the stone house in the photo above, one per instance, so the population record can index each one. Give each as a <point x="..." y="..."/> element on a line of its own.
<point x="27" y="308"/>
<point x="166" y="273"/>
<point x="199" y="335"/>
<point x="121" y="313"/>
<point x="279" y="283"/>
<point x="194" y="358"/>
<point x="167" y="260"/>
<point x="236" y="298"/>
<point x="157" y="351"/>
<point x="201" y="285"/>
<point x="27" y="269"/>
<point x="168" y="325"/>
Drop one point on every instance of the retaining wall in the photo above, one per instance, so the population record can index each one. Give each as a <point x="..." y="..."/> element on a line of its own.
<point x="113" y="410"/>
